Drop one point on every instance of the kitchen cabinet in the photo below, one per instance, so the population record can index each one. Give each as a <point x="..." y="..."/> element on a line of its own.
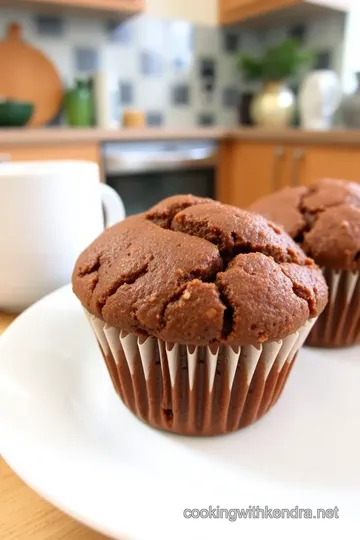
<point x="122" y="6"/>
<point x="313" y="162"/>
<point x="249" y="170"/>
<point x="233" y="11"/>
<point x="87" y="152"/>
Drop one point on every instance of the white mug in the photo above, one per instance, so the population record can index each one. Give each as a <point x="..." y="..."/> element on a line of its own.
<point x="49" y="212"/>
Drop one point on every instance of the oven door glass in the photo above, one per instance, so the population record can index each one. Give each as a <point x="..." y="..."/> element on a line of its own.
<point x="141" y="191"/>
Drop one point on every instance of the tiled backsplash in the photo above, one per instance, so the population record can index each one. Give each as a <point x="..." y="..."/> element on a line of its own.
<point x="324" y="36"/>
<point x="177" y="73"/>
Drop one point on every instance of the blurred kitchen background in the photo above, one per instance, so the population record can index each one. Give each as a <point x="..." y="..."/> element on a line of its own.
<point x="174" y="62"/>
<point x="231" y="99"/>
<point x="225" y="98"/>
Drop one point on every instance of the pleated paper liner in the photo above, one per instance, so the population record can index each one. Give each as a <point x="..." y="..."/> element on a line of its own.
<point x="196" y="390"/>
<point x="339" y="324"/>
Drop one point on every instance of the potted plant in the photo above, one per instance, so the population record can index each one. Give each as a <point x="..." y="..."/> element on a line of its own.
<point x="274" y="106"/>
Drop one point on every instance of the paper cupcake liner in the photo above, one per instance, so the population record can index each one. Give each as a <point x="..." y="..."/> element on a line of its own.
<point x="196" y="390"/>
<point x="339" y="324"/>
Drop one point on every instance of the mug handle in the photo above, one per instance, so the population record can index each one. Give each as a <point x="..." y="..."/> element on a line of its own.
<point x="113" y="206"/>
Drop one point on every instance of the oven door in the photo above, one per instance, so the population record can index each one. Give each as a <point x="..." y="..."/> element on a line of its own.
<point x="145" y="174"/>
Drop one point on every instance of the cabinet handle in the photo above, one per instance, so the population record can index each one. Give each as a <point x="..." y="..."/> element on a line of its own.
<point x="298" y="154"/>
<point x="4" y="158"/>
<point x="278" y="155"/>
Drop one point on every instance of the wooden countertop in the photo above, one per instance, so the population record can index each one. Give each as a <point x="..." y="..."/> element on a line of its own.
<point x="33" y="136"/>
<point x="24" y="515"/>
<point x="63" y="135"/>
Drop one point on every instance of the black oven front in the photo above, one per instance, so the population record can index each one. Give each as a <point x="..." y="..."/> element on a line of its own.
<point x="144" y="173"/>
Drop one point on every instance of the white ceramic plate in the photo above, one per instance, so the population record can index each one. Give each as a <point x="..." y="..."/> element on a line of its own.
<point x="65" y="432"/>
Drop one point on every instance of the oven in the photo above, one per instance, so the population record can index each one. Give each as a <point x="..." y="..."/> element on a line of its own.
<point x="145" y="172"/>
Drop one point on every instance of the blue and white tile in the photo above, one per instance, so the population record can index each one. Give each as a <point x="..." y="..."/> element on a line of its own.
<point x="299" y="32"/>
<point x="115" y="108"/>
<point x="227" y="69"/>
<point x="122" y="61"/>
<point x="51" y="26"/>
<point x="152" y="63"/>
<point x="206" y="118"/>
<point x="229" y="96"/>
<point x="228" y="117"/>
<point x="324" y="59"/>
<point x="180" y="95"/>
<point x="179" y="37"/>
<point x="122" y="32"/>
<point x="207" y="66"/>
<point x="151" y="34"/>
<point x="197" y="94"/>
<point x="86" y="59"/>
<point x="86" y="31"/>
<point x="327" y="31"/>
<point x="61" y="54"/>
<point x="203" y="99"/>
<point x="231" y="40"/>
<point x="180" y="117"/>
<point x="153" y="93"/>
<point x="207" y="41"/>
<point x="274" y="36"/>
<point x="252" y="42"/>
<point x="155" y="118"/>
<point x="127" y="93"/>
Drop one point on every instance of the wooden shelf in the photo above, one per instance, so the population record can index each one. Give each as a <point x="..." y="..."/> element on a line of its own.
<point x="266" y="12"/>
<point x="125" y="7"/>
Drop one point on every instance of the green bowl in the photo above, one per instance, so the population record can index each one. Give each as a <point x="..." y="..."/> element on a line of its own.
<point x="15" y="113"/>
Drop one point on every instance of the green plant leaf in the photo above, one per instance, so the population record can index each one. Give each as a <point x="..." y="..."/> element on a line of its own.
<point x="277" y="63"/>
<point x="252" y="67"/>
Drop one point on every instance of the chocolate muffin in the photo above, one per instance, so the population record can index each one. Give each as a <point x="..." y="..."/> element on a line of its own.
<point x="199" y="310"/>
<point x="325" y="220"/>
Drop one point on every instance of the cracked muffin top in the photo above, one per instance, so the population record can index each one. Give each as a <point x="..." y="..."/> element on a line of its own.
<point x="323" y="218"/>
<point x="197" y="272"/>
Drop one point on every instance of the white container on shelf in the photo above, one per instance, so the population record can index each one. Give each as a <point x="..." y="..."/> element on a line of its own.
<point x="102" y="99"/>
<point x="319" y="98"/>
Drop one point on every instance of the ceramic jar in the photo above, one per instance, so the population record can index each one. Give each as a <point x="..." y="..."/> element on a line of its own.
<point x="274" y="106"/>
<point x="351" y="108"/>
<point x="319" y="98"/>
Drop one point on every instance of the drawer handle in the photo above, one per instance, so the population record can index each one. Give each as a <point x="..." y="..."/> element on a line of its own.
<point x="278" y="155"/>
<point x="298" y="154"/>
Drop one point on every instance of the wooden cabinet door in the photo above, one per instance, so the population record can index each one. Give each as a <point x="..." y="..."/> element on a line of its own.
<point x="254" y="173"/>
<point x="314" y="162"/>
<point x="249" y="171"/>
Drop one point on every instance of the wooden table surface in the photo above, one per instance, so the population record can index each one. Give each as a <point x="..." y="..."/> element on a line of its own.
<point x="26" y="516"/>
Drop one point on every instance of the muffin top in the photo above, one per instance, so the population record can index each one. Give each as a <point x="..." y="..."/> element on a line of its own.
<point x="197" y="272"/>
<point x="323" y="218"/>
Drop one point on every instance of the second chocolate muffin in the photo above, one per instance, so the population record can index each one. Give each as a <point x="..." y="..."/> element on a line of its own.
<point x="325" y="220"/>
<point x="199" y="309"/>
